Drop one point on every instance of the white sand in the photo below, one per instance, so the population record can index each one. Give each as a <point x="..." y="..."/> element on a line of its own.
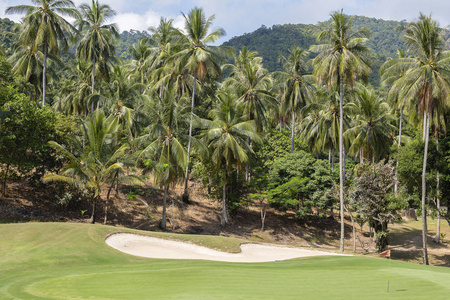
<point x="151" y="247"/>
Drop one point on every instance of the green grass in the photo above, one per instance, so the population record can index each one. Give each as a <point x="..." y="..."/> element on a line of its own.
<point x="71" y="261"/>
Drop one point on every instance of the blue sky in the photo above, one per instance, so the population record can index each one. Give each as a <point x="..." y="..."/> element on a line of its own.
<point x="243" y="16"/>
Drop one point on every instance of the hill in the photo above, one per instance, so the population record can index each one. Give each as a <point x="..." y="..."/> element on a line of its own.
<point x="271" y="42"/>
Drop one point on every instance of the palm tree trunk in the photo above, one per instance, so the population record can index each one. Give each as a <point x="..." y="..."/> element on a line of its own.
<point x="4" y="180"/>
<point x="163" y="220"/>
<point x="424" y="211"/>
<point x="93" y="83"/>
<point x="293" y="132"/>
<point x="247" y="171"/>
<point x="107" y="198"/>
<point x="353" y="229"/>
<point x="44" y="74"/>
<point x="398" y="151"/>
<point x="190" y="136"/>
<point x="224" y="206"/>
<point x="332" y="160"/>
<point x="94" y="204"/>
<point x="93" y="76"/>
<point x="424" y="125"/>
<point x="341" y="161"/>
<point x="437" y="239"/>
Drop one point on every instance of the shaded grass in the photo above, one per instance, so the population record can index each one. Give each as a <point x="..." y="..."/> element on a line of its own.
<point x="71" y="261"/>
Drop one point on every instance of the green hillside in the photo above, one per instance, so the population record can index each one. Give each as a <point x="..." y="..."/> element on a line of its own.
<point x="271" y="42"/>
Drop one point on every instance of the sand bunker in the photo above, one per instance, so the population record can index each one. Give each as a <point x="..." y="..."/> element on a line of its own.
<point x="151" y="247"/>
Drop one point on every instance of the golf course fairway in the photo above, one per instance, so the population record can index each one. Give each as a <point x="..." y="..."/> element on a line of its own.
<point x="72" y="261"/>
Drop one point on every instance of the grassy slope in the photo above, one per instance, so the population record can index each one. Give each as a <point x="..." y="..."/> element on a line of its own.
<point x="71" y="261"/>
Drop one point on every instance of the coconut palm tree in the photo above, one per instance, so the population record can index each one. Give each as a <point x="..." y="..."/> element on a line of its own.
<point x="320" y="125"/>
<point x="372" y="126"/>
<point x="166" y="151"/>
<point x="198" y="57"/>
<point x="425" y="86"/>
<point x="44" y="27"/>
<point x="97" y="37"/>
<point x="96" y="159"/>
<point x="252" y="84"/>
<point x="298" y="84"/>
<point x="28" y="63"/>
<point x="390" y="72"/>
<point x="341" y="58"/>
<point x="161" y="62"/>
<point x="76" y="91"/>
<point x="226" y="138"/>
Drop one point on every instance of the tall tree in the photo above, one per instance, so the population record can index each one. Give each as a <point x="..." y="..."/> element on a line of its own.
<point x="198" y="57"/>
<point x="165" y="152"/>
<point x="97" y="42"/>
<point x="226" y="138"/>
<point x="45" y="28"/>
<point x="298" y="86"/>
<point x="341" y="58"/>
<point x="390" y="71"/>
<point x="425" y="86"/>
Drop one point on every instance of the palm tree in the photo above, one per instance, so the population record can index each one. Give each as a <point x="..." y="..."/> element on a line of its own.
<point x="320" y="125"/>
<point x="226" y="138"/>
<point x="166" y="149"/>
<point x="372" y="126"/>
<point x="298" y="85"/>
<point x="76" y="91"/>
<point x="252" y="83"/>
<point x="425" y="86"/>
<point x="97" y="42"/>
<point x="165" y="42"/>
<point x="340" y="59"/>
<point x="28" y="63"/>
<point x="44" y="27"/>
<point x="198" y="57"/>
<point x="96" y="159"/>
<point x="391" y="71"/>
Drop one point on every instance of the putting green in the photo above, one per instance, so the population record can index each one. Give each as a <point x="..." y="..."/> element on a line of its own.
<point x="71" y="261"/>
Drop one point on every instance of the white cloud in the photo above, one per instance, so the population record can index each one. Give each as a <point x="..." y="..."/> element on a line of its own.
<point x="127" y="21"/>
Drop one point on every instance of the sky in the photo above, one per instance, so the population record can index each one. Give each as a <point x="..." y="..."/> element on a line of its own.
<point x="244" y="16"/>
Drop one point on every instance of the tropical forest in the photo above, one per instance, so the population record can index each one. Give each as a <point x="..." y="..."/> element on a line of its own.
<point x="329" y="136"/>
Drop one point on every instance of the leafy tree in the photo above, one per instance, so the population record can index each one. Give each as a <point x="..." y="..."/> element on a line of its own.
<point x="373" y="197"/>
<point x="25" y="130"/>
<point x="44" y="27"/>
<point x="299" y="181"/>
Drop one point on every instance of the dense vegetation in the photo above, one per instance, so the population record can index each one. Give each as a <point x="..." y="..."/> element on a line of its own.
<point x="310" y="138"/>
<point x="271" y="42"/>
